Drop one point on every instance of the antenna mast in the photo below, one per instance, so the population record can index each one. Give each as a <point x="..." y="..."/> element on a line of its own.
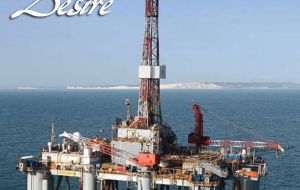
<point x="53" y="126"/>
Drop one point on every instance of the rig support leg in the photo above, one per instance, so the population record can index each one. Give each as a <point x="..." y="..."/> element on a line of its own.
<point x="34" y="180"/>
<point x="81" y="184"/>
<point x="113" y="185"/>
<point x="128" y="185"/>
<point x="222" y="184"/>
<point x="89" y="181"/>
<point x="58" y="182"/>
<point x="236" y="184"/>
<point x="107" y="184"/>
<point x="116" y="185"/>
<point x="247" y="184"/>
<point x="67" y="183"/>
<point x="100" y="185"/>
<point x="144" y="183"/>
<point x="144" y="179"/>
<point x="48" y="182"/>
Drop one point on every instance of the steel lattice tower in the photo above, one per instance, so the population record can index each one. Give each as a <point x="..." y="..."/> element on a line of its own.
<point x="150" y="71"/>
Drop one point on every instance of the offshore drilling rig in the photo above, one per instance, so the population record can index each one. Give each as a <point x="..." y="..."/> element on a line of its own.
<point x="143" y="152"/>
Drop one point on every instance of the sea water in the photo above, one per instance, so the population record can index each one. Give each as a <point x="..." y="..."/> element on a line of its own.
<point x="271" y="114"/>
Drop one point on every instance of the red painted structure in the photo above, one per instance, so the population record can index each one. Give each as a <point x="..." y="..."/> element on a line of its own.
<point x="149" y="110"/>
<point x="148" y="159"/>
<point x="197" y="137"/>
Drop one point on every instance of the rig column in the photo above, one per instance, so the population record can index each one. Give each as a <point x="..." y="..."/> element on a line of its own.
<point x="34" y="180"/>
<point x="48" y="182"/>
<point x="144" y="180"/>
<point x="99" y="184"/>
<point x="89" y="181"/>
<point x="245" y="184"/>
<point x="144" y="183"/>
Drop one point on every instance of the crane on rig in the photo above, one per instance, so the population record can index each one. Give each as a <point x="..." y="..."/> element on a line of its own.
<point x="197" y="137"/>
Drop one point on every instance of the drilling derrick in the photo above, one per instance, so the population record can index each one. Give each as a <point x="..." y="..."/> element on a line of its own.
<point x="150" y="71"/>
<point x="146" y="134"/>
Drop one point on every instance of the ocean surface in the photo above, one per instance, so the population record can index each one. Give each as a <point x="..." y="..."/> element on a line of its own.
<point x="273" y="115"/>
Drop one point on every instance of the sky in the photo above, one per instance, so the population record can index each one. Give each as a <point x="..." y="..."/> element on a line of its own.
<point x="200" y="40"/>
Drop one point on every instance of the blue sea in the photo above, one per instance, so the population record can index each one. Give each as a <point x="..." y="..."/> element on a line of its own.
<point x="273" y="115"/>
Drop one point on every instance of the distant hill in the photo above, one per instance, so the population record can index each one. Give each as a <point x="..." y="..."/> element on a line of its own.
<point x="200" y="85"/>
<point x="259" y="85"/>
